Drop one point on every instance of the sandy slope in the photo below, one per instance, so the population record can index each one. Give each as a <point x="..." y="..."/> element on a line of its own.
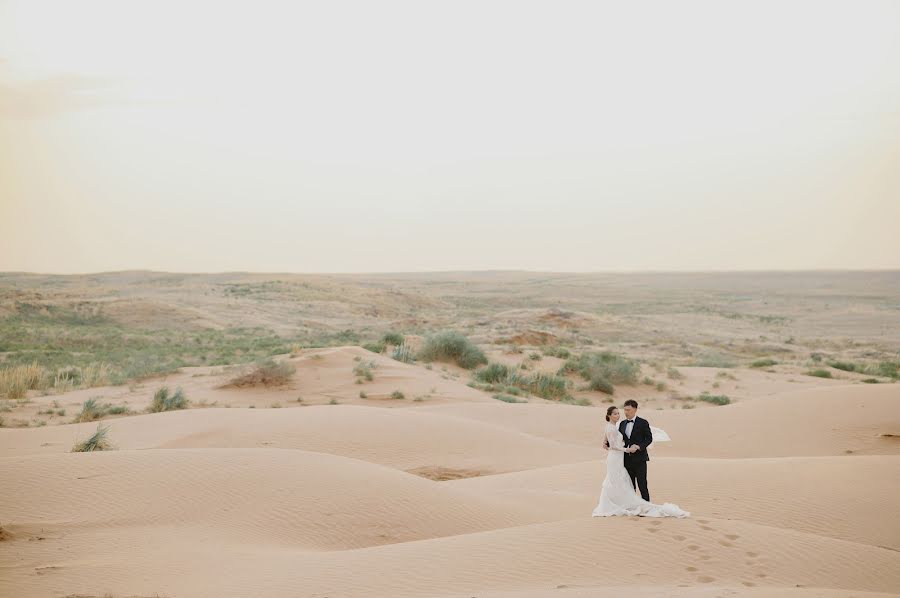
<point x="317" y="501"/>
<point x="824" y="421"/>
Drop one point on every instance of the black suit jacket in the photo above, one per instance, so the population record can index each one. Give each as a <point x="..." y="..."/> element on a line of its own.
<point x="640" y="435"/>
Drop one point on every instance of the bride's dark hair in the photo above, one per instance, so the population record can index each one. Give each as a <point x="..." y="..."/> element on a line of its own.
<point x="610" y="410"/>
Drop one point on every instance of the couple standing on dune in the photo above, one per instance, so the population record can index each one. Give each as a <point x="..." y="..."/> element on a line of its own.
<point x="626" y="468"/>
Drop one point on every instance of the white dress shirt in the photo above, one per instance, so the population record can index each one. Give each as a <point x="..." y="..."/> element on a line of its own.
<point x="628" y="428"/>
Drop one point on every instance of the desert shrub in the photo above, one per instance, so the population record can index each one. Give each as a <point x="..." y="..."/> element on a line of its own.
<point x="508" y="399"/>
<point x="393" y="338"/>
<point x="535" y="356"/>
<point x="97" y="442"/>
<point x="871" y="380"/>
<point x="603" y="370"/>
<point x="363" y="370"/>
<point x="581" y="401"/>
<point x="265" y="373"/>
<point x="820" y="373"/>
<point x="599" y="383"/>
<point x="333" y="402"/>
<point x="888" y="369"/>
<point x="404" y="353"/>
<point x="660" y="386"/>
<point x="560" y="352"/>
<point x="713" y="360"/>
<point x="397" y="395"/>
<point x="452" y="346"/>
<point x="714" y="399"/>
<point x="363" y="395"/>
<point x="548" y="386"/>
<point x="648" y="381"/>
<point x="493" y="373"/>
<point x="17" y="380"/>
<point x="843" y="365"/>
<point x="374" y="347"/>
<point x="763" y="363"/>
<point x="90" y="411"/>
<point x="163" y="401"/>
<point x="674" y="374"/>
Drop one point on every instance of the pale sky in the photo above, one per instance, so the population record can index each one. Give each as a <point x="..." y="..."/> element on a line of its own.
<point x="408" y="136"/>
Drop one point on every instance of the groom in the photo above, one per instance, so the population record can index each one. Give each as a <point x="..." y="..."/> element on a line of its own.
<point x="636" y="431"/>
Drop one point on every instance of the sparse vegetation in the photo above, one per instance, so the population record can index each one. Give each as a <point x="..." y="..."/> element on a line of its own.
<point x="674" y="374"/>
<point x="497" y="376"/>
<point x="163" y="401"/>
<point x="493" y="373"/>
<point x="843" y="365"/>
<point x="819" y="373"/>
<point x="97" y="442"/>
<point x="508" y="398"/>
<point x="714" y="360"/>
<point x="714" y="399"/>
<point x="603" y="370"/>
<point x="452" y="346"/>
<point x="581" y="401"/>
<point x="404" y="353"/>
<point x="535" y="356"/>
<point x="91" y="410"/>
<point x="264" y="373"/>
<point x="763" y="363"/>
<point x="397" y="395"/>
<point x="17" y="380"/>
<point x="374" y="347"/>
<point x="660" y="386"/>
<point x="363" y="371"/>
<point x="393" y="338"/>
<point x="560" y="352"/>
<point x="363" y="395"/>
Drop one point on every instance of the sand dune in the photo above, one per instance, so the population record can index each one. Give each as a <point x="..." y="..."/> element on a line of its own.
<point x="792" y="495"/>
<point x="295" y="498"/>
<point x="828" y="496"/>
<point x="404" y="439"/>
<point x="583" y="552"/>
<point x="826" y="421"/>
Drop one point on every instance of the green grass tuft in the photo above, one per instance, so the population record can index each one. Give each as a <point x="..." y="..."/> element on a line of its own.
<point x="97" y="442"/>
<point x="454" y="347"/>
<point x="819" y="373"/>
<point x="162" y="401"/>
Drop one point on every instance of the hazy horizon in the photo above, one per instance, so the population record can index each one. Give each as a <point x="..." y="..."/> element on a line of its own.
<point x="351" y="138"/>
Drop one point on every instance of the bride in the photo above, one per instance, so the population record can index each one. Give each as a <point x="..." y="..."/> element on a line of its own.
<point x="617" y="496"/>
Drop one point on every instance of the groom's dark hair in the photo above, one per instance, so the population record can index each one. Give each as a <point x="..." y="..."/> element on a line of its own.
<point x="631" y="403"/>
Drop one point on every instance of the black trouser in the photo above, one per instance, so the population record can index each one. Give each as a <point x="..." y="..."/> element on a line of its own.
<point x="637" y="469"/>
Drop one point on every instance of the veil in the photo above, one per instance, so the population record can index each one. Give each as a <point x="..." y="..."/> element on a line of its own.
<point x="659" y="435"/>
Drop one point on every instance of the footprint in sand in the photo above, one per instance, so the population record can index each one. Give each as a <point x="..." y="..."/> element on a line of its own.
<point x="705" y="557"/>
<point x="656" y="523"/>
<point x="652" y="530"/>
<point x="679" y="538"/>
<point x="726" y="543"/>
<point x="691" y="569"/>
<point x="752" y="554"/>
<point x="749" y="584"/>
<point x="703" y="520"/>
<point x="732" y="536"/>
<point x="707" y="528"/>
<point x="693" y="547"/>
<point x="706" y="579"/>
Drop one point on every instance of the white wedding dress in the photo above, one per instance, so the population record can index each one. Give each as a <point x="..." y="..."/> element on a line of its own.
<point x="617" y="496"/>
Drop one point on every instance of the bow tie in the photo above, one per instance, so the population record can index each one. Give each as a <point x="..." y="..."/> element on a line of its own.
<point x="629" y="421"/>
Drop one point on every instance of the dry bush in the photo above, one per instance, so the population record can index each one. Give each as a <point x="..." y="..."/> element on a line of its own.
<point x="17" y="380"/>
<point x="264" y="373"/>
